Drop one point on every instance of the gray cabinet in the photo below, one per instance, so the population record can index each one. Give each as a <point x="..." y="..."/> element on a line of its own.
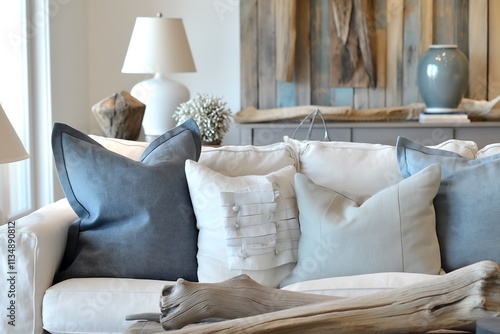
<point x="483" y="133"/>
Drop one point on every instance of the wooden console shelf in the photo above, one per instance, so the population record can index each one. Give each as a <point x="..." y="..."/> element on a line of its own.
<point x="483" y="133"/>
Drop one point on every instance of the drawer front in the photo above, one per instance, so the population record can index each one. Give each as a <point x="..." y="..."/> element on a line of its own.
<point x="388" y="136"/>
<point x="270" y="135"/>
<point x="482" y="136"/>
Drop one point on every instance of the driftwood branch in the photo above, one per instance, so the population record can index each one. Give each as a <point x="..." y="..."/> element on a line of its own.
<point x="330" y="113"/>
<point x="449" y="301"/>
<point x="188" y="302"/>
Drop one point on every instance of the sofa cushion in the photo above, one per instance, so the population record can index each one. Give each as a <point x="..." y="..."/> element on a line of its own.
<point x="359" y="168"/>
<point x="488" y="150"/>
<point x="344" y="234"/>
<point x="128" y="148"/>
<point x="230" y="160"/>
<point x="237" y="160"/>
<point x="98" y="305"/>
<point x="358" y="285"/>
<point x="135" y="217"/>
<point x="466" y="204"/>
<point x="231" y="211"/>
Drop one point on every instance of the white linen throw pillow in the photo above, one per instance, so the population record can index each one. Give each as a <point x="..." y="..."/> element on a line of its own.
<point x="247" y="224"/>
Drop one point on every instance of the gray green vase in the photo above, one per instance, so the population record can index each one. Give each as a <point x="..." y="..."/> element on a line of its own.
<point x="443" y="77"/>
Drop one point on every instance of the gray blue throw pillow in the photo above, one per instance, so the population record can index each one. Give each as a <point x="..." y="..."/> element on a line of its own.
<point x="467" y="203"/>
<point x="346" y="234"/>
<point x="135" y="218"/>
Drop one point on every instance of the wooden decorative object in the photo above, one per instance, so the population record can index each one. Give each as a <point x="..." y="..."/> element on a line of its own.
<point x="457" y="299"/>
<point x="353" y="44"/>
<point x="120" y="116"/>
<point x="342" y="10"/>
<point x="253" y="115"/>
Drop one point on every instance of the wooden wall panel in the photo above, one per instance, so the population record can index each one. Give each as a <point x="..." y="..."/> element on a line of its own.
<point x="266" y="54"/>
<point x="303" y="56"/>
<point x="478" y="49"/>
<point x="394" y="86"/>
<point x="494" y="50"/>
<point x="320" y="46"/>
<point x="248" y="53"/>
<point x="410" y="51"/>
<point x="461" y="16"/>
<point x="376" y="96"/>
<point x="426" y="30"/>
<point x="404" y="30"/>
<point x="444" y="24"/>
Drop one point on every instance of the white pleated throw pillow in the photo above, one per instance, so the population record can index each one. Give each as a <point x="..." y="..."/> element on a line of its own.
<point x="247" y="224"/>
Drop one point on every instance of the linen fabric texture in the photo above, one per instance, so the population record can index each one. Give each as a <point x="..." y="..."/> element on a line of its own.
<point x="261" y="227"/>
<point x="259" y="246"/>
<point x="359" y="168"/>
<point x="467" y="210"/>
<point x="135" y="218"/>
<point x="344" y="234"/>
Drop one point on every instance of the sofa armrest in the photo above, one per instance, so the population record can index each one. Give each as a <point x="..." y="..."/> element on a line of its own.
<point x="31" y="250"/>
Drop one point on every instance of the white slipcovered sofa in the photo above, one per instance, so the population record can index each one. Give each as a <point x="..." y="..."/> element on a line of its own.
<point x="100" y="304"/>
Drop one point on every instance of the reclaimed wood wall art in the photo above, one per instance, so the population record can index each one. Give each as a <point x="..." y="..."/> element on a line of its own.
<point x="291" y="50"/>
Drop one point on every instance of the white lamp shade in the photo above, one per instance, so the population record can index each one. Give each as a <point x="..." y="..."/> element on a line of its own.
<point x="158" y="45"/>
<point x="11" y="148"/>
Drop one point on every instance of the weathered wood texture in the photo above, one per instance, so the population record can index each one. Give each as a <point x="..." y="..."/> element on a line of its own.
<point x="249" y="57"/>
<point x="266" y="46"/>
<point x="302" y="69"/>
<point x="394" y="88"/>
<point x="494" y="50"/>
<point x="120" y="116"/>
<point x="478" y="49"/>
<point x="454" y="300"/>
<point x="352" y="44"/>
<point x="403" y="28"/>
<point x="286" y="37"/>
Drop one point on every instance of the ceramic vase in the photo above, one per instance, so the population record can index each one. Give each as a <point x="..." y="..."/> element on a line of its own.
<point x="443" y="77"/>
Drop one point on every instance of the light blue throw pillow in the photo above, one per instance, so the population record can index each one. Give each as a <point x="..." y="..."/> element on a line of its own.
<point x="344" y="234"/>
<point x="467" y="203"/>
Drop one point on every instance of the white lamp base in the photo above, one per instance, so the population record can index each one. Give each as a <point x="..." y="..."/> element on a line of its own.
<point x="162" y="96"/>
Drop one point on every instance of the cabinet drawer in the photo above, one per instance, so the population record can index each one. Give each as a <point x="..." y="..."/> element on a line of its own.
<point x="388" y="136"/>
<point x="482" y="136"/>
<point x="269" y="135"/>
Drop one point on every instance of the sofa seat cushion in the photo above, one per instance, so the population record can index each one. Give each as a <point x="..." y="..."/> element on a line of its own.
<point x="358" y="285"/>
<point x="98" y="305"/>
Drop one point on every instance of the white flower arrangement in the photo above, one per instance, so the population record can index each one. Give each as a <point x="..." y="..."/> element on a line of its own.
<point x="210" y="113"/>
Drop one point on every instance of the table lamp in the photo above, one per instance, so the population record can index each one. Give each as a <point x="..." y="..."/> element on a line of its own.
<point x="159" y="45"/>
<point x="11" y="148"/>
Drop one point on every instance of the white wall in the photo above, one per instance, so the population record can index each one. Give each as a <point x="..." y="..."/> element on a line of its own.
<point x="69" y="66"/>
<point x="213" y="35"/>
<point x="89" y="40"/>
